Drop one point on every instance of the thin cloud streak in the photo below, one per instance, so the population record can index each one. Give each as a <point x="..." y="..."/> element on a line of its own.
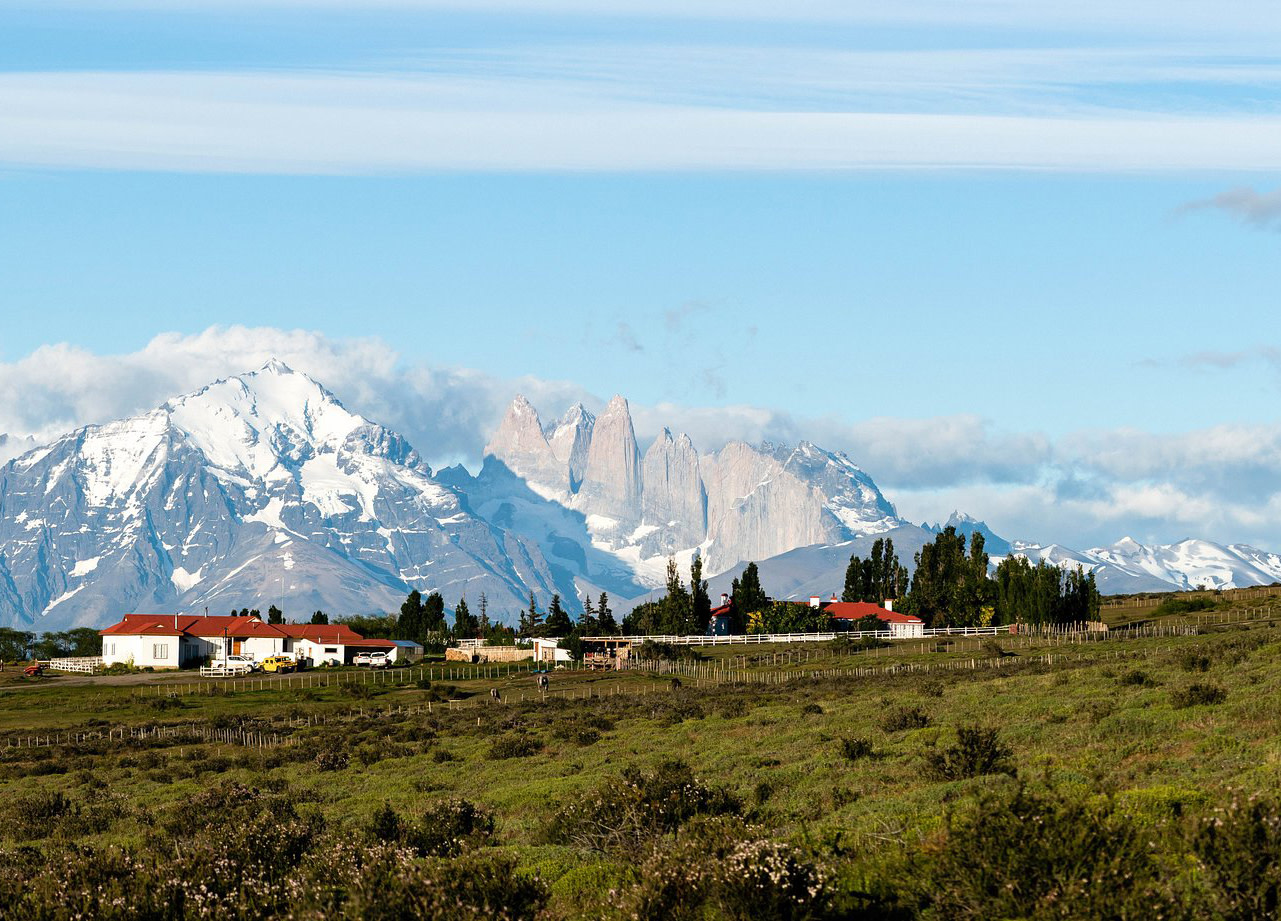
<point x="1143" y="16"/>
<point x="369" y="124"/>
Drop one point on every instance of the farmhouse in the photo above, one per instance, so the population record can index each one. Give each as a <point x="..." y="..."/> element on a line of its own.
<point x="186" y="640"/>
<point x="845" y="613"/>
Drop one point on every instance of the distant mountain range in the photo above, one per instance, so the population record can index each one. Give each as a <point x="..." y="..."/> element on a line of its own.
<point x="262" y="488"/>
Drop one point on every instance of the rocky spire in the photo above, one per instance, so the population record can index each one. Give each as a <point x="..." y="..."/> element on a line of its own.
<point x="571" y="440"/>
<point x="674" y="489"/>
<point x="520" y="444"/>
<point x="611" y="484"/>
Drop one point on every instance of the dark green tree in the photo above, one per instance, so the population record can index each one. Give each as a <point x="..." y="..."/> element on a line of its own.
<point x="412" y="622"/>
<point x="700" y="601"/>
<point x="466" y="624"/>
<point x="558" y="622"/>
<point x="434" y="614"/>
<point x="588" y="624"/>
<point x="746" y="598"/>
<point x="320" y="617"/>
<point x="275" y="615"/>
<point x="15" y="645"/>
<point x="608" y="626"/>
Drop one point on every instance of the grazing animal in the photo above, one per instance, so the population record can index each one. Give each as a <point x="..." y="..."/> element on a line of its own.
<point x="676" y="683"/>
<point x="493" y="692"/>
<point x="542" y="682"/>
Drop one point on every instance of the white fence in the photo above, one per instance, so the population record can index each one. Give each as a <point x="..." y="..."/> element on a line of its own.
<point x="84" y="664"/>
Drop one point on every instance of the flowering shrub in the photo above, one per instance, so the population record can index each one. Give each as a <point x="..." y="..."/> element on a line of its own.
<point x="625" y="817"/>
<point x="1239" y="849"/>
<point x="1031" y="856"/>
<point x="723" y="870"/>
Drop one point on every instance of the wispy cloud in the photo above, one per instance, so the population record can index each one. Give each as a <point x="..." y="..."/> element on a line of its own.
<point x="342" y="123"/>
<point x="1252" y="208"/>
<point x="1146" y="16"/>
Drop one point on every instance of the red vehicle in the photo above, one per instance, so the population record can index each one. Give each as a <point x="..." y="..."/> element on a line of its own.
<point x="34" y="670"/>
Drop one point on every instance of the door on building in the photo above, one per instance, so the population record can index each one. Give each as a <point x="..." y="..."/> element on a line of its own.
<point x="236" y="646"/>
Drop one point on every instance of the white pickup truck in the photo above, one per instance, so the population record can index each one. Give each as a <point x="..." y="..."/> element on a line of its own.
<point x="372" y="659"/>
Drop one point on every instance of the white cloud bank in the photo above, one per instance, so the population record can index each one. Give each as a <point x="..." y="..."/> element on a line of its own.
<point x="1221" y="483"/>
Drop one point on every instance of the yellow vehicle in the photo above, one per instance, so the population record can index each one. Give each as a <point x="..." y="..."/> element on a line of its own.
<point x="278" y="664"/>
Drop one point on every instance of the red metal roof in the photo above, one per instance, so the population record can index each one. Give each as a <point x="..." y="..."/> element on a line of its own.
<point x="233" y="625"/>
<point x="330" y="634"/>
<point x="854" y="610"/>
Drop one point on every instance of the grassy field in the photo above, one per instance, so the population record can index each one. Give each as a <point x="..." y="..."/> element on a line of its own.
<point x="852" y="794"/>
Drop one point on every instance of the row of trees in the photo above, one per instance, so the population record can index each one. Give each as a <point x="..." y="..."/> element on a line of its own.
<point x="951" y="587"/>
<point x="19" y="645"/>
<point x="877" y="578"/>
<point x="683" y="610"/>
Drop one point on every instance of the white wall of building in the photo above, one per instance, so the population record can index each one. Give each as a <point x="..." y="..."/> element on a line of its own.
<point x="143" y="651"/>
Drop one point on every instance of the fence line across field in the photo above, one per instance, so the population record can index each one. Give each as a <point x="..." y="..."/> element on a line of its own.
<point x="701" y="674"/>
<point x="714" y="674"/>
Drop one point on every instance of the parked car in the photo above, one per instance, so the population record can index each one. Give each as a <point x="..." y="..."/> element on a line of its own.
<point x="231" y="668"/>
<point x="242" y="662"/>
<point x="279" y="664"/>
<point x="379" y="660"/>
<point x="362" y="658"/>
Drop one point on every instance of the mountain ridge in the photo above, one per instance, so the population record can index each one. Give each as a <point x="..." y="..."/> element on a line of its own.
<point x="263" y="488"/>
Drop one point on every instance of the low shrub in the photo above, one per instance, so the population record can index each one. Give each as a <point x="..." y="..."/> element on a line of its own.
<point x="623" y="818"/>
<point x="1196" y="695"/>
<point x="1138" y="679"/>
<point x="1190" y="660"/>
<point x="445" y="829"/>
<point x="1239" y="849"/>
<point x="667" y="652"/>
<point x="1184" y="606"/>
<point x="931" y="688"/>
<point x="977" y="752"/>
<point x="811" y="710"/>
<point x="331" y="759"/>
<point x="515" y="745"/>
<point x="721" y="872"/>
<point x="901" y="718"/>
<point x="856" y="749"/>
<point x="1031" y="856"/>
<point x="993" y="648"/>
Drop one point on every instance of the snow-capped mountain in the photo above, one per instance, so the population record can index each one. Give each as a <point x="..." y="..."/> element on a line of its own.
<point x="257" y="489"/>
<point x="11" y="447"/>
<point x="964" y="524"/>
<point x="263" y="488"/>
<point x="1128" y="566"/>
<point x="744" y="502"/>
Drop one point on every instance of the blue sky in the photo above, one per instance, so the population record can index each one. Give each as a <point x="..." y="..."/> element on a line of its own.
<point x="1013" y="257"/>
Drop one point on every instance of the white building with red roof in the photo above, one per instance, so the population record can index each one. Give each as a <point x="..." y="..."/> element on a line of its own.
<point x="900" y="625"/>
<point x="186" y="640"/>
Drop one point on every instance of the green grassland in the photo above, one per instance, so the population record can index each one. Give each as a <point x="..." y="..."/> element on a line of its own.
<point x="838" y="760"/>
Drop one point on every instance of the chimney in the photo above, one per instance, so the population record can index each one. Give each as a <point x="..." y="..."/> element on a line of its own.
<point x="814" y="601"/>
<point x="833" y="599"/>
<point x="889" y="604"/>
<point x="724" y="599"/>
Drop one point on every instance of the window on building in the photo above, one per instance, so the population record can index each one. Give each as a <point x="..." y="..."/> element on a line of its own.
<point x="329" y="649"/>
<point x="159" y="650"/>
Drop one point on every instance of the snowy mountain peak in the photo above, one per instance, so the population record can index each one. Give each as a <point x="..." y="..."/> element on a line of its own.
<point x="275" y="366"/>
<point x="249" y="424"/>
<point x="254" y="486"/>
